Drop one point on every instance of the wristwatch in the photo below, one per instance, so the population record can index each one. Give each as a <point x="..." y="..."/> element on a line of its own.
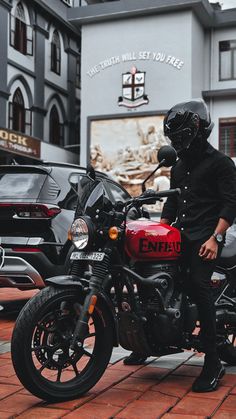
<point x="218" y="237"/>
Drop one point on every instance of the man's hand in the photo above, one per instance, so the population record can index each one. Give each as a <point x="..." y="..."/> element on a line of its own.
<point x="209" y="249"/>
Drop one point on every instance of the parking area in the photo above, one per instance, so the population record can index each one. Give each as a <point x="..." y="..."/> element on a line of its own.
<point x="159" y="389"/>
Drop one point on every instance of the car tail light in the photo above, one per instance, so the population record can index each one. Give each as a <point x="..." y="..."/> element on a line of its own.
<point x="32" y="211"/>
<point x="26" y="249"/>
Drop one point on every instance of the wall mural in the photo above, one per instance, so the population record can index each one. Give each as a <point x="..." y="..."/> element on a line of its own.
<point x="126" y="149"/>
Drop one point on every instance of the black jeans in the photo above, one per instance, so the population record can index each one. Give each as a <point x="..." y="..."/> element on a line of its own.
<point x="198" y="287"/>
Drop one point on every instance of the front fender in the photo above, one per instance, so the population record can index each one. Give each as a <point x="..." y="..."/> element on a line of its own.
<point x="67" y="280"/>
<point x="104" y="300"/>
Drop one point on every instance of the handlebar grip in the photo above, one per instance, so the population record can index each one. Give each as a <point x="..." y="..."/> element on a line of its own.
<point x="169" y="192"/>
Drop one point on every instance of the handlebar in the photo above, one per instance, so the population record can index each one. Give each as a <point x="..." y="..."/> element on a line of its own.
<point x="150" y="197"/>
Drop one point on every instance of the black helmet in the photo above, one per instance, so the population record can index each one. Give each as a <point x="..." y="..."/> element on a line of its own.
<point x="186" y="121"/>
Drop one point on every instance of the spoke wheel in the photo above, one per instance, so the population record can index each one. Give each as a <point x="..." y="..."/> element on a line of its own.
<point x="41" y="353"/>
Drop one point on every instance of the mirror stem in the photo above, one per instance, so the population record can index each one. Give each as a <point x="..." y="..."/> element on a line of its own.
<point x="151" y="174"/>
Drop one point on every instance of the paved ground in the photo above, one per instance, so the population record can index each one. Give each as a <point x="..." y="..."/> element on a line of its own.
<point x="160" y="389"/>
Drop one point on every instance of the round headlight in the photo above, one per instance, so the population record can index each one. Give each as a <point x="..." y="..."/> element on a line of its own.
<point x="80" y="233"/>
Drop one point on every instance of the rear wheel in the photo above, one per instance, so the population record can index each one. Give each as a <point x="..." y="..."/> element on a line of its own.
<point x="41" y="352"/>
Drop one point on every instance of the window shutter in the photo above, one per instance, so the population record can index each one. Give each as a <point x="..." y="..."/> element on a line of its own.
<point x="28" y="121"/>
<point x="29" y="40"/>
<point x="10" y="115"/>
<point x="12" y="31"/>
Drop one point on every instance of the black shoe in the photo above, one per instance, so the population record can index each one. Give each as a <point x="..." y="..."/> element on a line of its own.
<point x="135" y="359"/>
<point x="212" y="372"/>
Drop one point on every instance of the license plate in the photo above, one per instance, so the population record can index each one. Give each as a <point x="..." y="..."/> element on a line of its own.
<point x="87" y="256"/>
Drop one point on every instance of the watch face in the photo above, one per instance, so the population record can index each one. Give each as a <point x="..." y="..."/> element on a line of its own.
<point x="219" y="238"/>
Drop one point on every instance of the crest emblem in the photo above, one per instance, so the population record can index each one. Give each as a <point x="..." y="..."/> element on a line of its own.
<point x="133" y="93"/>
<point x="2" y="256"/>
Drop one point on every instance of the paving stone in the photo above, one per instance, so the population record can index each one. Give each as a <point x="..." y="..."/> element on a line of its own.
<point x="219" y="394"/>
<point x="171" y="361"/>
<point x="4" y="347"/>
<point x="229" y="403"/>
<point x="196" y="406"/>
<point x="7" y="389"/>
<point x="135" y="384"/>
<point x="93" y="411"/>
<point x="152" y="373"/>
<point x="116" y="397"/>
<point x="40" y="412"/>
<point x="176" y="416"/>
<point x="141" y="409"/>
<point x="188" y="370"/>
<point x="174" y="385"/>
<point x="18" y="403"/>
<point x="195" y="360"/>
<point x="230" y="370"/>
<point x="228" y="380"/>
<point x="223" y="414"/>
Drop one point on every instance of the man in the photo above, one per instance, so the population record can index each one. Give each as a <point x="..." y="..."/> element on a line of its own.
<point x="203" y="212"/>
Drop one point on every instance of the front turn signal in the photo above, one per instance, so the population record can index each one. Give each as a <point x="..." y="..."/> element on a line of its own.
<point x="113" y="233"/>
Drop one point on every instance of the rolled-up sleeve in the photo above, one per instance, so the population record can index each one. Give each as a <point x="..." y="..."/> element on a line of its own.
<point x="226" y="180"/>
<point x="170" y="207"/>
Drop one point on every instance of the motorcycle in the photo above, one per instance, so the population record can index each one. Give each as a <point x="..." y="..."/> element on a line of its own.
<point x="125" y="288"/>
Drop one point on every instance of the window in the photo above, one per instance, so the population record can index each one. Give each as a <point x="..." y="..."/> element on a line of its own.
<point x="227" y="136"/>
<point x="56" y="53"/>
<point x="21" y="34"/>
<point x="69" y="3"/>
<point x="20" y="118"/>
<point x="227" y="60"/>
<point x="56" y="130"/>
<point x="78" y="73"/>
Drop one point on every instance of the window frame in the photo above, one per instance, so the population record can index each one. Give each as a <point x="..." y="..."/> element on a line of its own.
<point x="233" y="62"/>
<point x="21" y="43"/>
<point x="60" y="128"/>
<point x="27" y="123"/>
<point x="229" y="123"/>
<point x="56" y="54"/>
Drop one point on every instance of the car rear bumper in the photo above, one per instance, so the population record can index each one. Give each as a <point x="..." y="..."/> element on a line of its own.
<point x="18" y="273"/>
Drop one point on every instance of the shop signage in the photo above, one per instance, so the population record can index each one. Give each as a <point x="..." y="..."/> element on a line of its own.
<point x="154" y="56"/>
<point x="133" y="93"/>
<point x="18" y="143"/>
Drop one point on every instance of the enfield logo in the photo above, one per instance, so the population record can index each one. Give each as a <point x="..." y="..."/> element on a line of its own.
<point x="133" y="85"/>
<point x="146" y="246"/>
<point x="2" y="257"/>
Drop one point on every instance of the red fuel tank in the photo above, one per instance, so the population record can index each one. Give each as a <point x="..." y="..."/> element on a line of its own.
<point x="150" y="240"/>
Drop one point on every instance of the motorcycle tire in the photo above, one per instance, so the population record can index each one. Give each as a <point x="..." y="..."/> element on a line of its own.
<point x="41" y="354"/>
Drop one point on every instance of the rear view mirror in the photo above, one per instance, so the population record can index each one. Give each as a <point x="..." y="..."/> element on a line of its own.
<point x="166" y="156"/>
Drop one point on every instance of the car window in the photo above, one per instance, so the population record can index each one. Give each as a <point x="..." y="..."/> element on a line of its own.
<point x="118" y="194"/>
<point x="21" y="185"/>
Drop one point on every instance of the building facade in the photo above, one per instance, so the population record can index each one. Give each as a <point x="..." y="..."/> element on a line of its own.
<point x="140" y="57"/>
<point x="40" y="82"/>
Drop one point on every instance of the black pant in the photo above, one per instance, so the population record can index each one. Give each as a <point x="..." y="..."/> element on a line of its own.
<point x="197" y="286"/>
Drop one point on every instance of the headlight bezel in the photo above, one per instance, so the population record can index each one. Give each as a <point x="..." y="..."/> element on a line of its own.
<point x="82" y="232"/>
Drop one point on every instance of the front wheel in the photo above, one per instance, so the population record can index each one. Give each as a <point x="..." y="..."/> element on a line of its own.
<point x="41" y="354"/>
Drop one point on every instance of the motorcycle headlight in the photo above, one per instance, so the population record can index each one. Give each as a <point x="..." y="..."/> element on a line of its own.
<point x="81" y="232"/>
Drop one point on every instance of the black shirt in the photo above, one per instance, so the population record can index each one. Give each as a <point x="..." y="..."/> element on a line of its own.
<point x="208" y="192"/>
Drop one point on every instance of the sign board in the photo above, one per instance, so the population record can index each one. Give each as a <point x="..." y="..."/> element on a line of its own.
<point x="19" y="143"/>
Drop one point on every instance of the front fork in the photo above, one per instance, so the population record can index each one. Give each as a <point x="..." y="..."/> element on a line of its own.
<point x="100" y="270"/>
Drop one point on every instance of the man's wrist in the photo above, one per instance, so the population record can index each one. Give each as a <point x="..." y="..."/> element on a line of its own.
<point x="219" y="238"/>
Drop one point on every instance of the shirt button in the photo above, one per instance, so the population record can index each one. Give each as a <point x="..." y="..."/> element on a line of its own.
<point x="188" y="173"/>
<point x="185" y="201"/>
<point x="183" y="215"/>
<point x="182" y="229"/>
<point x="185" y="187"/>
